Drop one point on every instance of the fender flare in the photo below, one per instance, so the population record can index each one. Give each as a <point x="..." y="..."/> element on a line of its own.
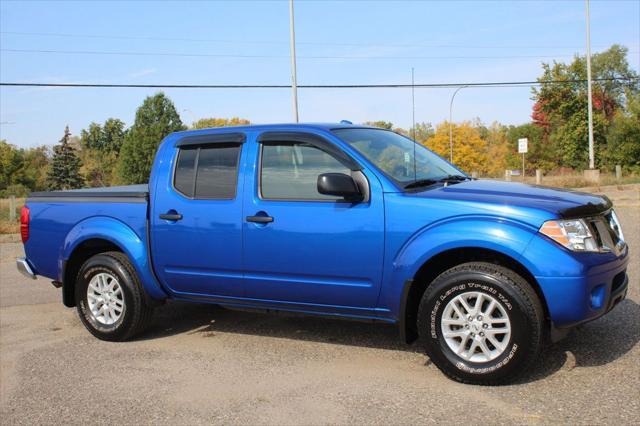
<point x="122" y="236"/>
<point x="505" y="236"/>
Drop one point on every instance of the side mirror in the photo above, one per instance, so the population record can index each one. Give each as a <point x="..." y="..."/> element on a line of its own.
<point x="340" y="185"/>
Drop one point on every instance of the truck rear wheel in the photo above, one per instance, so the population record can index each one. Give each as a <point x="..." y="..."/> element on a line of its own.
<point x="110" y="299"/>
<point x="481" y="323"/>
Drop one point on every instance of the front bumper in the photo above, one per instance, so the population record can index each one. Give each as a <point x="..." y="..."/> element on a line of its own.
<point x="575" y="300"/>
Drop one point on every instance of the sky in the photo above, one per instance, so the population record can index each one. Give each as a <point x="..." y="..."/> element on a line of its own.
<point x="247" y="42"/>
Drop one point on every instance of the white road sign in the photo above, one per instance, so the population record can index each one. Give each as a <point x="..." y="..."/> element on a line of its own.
<point x="523" y="145"/>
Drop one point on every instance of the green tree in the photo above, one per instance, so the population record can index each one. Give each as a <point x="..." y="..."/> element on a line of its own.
<point x="11" y="164"/>
<point x="36" y="163"/>
<point x="561" y="103"/>
<point x="541" y="154"/>
<point x="100" y="148"/>
<point x="381" y="124"/>
<point x="205" y="123"/>
<point x="108" y="137"/>
<point x="23" y="168"/>
<point x="92" y="137"/>
<point x="98" y="168"/>
<point x="423" y="131"/>
<point x="623" y="136"/>
<point x="65" y="165"/>
<point x="113" y="135"/>
<point x="155" y="119"/>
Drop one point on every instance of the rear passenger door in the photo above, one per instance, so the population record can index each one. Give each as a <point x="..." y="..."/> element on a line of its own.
<point x="196" y="218"/>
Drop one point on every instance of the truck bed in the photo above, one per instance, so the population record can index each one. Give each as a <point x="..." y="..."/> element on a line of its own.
<point x="55" y="215"/>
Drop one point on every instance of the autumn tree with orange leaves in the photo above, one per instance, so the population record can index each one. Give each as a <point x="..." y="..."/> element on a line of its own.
<point x="469" y="149"/>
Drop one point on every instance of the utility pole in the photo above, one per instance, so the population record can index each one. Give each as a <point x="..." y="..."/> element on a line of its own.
<point x="592" y="163"/>
<point x="294" y="78"/>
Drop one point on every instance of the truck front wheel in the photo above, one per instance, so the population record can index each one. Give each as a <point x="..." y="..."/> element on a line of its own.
<point x="110" y="299"/>
<point x="481" y="323"/>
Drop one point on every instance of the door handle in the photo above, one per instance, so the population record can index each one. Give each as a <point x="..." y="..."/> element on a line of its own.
<point x="171" y="216"/>
<point x="259" y="219"/>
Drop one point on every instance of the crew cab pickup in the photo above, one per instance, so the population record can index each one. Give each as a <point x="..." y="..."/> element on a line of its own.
<point x="337" y="220"/>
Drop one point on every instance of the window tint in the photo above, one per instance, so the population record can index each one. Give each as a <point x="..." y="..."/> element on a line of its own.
<point x="185" y="171"/>
<point x="290" y="171"/>
<point x="217" y="171"/>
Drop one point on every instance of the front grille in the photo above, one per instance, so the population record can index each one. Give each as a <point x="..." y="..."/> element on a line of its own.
<point x="607" y="231"/>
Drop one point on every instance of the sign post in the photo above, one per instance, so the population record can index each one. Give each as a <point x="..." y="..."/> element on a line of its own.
<point x="523" y="145"/>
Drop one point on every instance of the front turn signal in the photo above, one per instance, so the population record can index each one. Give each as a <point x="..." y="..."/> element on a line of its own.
<point x="573" y="234"/>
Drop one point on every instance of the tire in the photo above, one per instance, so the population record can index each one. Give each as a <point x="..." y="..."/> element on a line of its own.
<point x="504" y="336"/>
<point x="114" y="284"/>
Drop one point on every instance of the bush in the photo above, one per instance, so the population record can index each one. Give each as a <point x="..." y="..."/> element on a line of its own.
<point x="18" y="190"/>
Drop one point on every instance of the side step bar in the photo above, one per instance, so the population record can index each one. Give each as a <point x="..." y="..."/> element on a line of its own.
<point x="24" y="268"/>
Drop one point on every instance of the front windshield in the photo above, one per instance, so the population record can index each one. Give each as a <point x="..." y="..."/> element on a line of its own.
<point x="393" y="154"/>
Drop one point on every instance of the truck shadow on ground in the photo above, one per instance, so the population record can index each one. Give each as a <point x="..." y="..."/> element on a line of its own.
<point x="594" y="344"/>
<point x="208" y="320"/>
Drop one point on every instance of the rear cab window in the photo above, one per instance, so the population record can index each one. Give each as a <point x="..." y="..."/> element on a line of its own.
<point x="207" y="171"/>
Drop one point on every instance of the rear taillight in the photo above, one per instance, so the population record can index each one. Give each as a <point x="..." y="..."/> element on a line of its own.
<point x="24" y="223"/>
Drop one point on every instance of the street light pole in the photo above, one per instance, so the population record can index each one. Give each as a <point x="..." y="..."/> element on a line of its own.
<point x="294" y="78"/>
<point x="413" y="105"/>
<point x="450" y="122"/>
<point x="592" y="163"/>
<point x="193" y="116"/>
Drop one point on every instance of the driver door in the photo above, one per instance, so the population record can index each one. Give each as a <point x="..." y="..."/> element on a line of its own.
<point x="310" y="248"/>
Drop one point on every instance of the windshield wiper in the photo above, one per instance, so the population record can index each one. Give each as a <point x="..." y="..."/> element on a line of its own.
<point x="426" y="182"/>
<point x="420" y="182"/>
<point x="457" y="178"/>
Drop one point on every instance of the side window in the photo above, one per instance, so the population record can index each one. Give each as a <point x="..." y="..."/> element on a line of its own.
<point x="208" y="172"/>
<point x="185" y="171"/>
<point x="289" y="171"/>
<point x="217" y="172"/>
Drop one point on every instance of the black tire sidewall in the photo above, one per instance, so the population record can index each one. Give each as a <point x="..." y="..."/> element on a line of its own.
<point x="430" y="315"/>
<point x="105" y="264"/>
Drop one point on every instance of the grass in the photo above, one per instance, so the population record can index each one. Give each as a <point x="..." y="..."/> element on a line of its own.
<point x="7" y="226"/>
<point x="578" y="181"/>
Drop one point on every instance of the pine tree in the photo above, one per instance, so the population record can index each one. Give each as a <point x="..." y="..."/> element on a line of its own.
<point x="65" y="166"/>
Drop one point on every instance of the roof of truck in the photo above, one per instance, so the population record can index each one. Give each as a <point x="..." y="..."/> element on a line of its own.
<point x="279" y="126"/>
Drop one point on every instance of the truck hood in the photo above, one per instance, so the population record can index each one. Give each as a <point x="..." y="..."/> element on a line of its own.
<point x="558" y="202"/>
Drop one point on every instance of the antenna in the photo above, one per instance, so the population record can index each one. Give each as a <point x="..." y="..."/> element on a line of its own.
<point x="413" y="119"/>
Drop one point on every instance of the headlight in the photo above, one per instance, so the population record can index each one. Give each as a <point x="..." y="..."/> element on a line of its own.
<point x="574" y="234"/>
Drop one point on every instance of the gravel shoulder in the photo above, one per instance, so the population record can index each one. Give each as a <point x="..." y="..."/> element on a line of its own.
<point x="201" y="364"/>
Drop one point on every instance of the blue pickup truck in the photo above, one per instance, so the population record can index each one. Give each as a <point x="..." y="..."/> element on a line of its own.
<point x="336" y="220"/>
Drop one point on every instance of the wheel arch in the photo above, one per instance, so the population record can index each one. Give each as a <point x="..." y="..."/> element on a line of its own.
<point x="71" y="267"/>
<point x="415" y="287"/>
<point x="98" y="235"/>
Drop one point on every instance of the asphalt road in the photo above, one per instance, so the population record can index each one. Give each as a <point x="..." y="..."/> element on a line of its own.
<point x="204" y="364"/>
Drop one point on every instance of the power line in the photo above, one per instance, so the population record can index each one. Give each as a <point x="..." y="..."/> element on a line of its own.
<point x="311" y="86"/>
<point x="224" y="55"/>
<point x="271" y="42"/>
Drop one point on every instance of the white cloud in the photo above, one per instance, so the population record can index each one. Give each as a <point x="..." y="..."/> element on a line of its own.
<point x="142" y="73"/>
